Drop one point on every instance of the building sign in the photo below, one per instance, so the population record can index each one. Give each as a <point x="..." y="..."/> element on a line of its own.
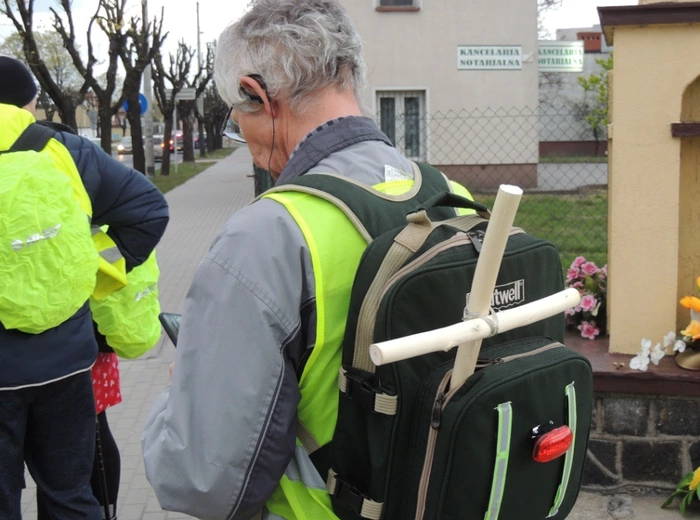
<point x="557" y="56"/>
<point x="489" y="57"/>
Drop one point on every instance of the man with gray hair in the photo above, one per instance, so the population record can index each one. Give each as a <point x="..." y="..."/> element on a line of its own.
<point x="259" y="345"/>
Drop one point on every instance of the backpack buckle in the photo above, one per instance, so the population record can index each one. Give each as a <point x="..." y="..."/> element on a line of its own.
<point x="349" y="496"/>
<point x="359" y="388"/>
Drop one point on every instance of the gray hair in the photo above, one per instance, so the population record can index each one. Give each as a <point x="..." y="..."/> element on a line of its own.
<point x="297" y="46"/>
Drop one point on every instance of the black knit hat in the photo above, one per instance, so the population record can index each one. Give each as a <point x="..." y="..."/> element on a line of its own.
<point x="17" y="85"/>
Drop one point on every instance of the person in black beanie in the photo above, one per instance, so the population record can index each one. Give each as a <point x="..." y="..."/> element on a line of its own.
<point x="47" y="408"/>
<point x="17" y="86"/>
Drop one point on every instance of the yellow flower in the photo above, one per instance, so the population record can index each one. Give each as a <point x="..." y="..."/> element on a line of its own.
<point x="692" y="330"/>
<point x="691" y="302"/>
<point x="696" y="480"/>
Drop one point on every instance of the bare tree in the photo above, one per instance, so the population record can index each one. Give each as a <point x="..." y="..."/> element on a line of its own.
<point x="177" y="75"/>
<point x="215" y="112"/>
<point x="143" y="41"/>
<point x="21" y="13"/>
<point x="188" y="109"/>
<point x="543" y="7"/>
<point x="108" y="17"/>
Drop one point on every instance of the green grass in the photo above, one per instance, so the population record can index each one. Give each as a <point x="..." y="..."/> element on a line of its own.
<point x="590" y="159"/>
<point x="576" y="224"/>
<point x="186" y="171"/>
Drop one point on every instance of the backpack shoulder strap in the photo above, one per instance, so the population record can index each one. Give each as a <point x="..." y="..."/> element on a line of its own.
<point x="35" y="137"/>
<point x="372" y="211"/>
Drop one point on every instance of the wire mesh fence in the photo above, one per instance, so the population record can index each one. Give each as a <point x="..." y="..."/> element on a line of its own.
<point x="549" y="151"/>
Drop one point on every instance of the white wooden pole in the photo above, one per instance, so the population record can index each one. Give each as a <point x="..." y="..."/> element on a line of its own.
<point x="487" y="266"/>
<point x="448" y="337"/>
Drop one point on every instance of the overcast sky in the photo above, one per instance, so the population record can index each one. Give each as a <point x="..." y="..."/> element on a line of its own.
<point x="214" y="15"/>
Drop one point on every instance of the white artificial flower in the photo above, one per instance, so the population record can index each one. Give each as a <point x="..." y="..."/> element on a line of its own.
<point x="646" y="347"/>
<point x="679" y="346"/>
<point x="669" y="339"/>
<point x="639" y="362"/>
<point x="657" y="354"/>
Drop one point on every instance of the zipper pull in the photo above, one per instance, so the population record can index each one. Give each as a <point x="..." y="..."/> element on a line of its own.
<point x="477" y="238"/>
<point x="436" y="415"/>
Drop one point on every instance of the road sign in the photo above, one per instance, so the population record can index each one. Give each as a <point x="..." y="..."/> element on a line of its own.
<point x="143" y="104"/>
<point x="184" y="95"/>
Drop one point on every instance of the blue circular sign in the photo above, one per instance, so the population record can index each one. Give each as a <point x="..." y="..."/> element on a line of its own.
<point x="143" y="104"/>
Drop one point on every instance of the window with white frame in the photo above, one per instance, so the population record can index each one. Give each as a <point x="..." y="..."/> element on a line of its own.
<point x="402" y="118"/>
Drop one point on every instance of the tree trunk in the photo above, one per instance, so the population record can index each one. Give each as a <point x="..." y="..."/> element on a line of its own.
<point x="133" y="114"/>
<point x="105" y="121"/>
<point x="66" y="111"/>
<point x="211" y="142"/>
<point x="187" y="140"/>
<point x="202" y="145"/>
<point x="167" y="136"/>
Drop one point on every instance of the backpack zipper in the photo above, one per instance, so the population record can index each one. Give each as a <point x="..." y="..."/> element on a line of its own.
<point x="439" y="404"/>
<point x="459" y="238"/>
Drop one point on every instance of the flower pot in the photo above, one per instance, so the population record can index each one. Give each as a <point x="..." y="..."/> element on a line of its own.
<point x="690" y="357"/>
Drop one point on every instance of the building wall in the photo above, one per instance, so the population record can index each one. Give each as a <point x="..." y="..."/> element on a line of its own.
<point x="562" y="97"/>
<point x="645" y="173"/>
<point x="418" y="51"/>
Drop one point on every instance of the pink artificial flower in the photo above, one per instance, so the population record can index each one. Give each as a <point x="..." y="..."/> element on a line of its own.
<point x="604" y="270"/>
<point x="577" y="285"/>
<point x="578" y="261"/>
<point x="572" y="274"/>
<point x="589" y="268"/>
<point x="588" y="330"/>
<point x="588" y="302"/>
<point x="570" y="312"/>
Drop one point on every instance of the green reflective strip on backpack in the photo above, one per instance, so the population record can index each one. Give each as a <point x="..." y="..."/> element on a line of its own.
<point x="569" y="457"/>
<point x="498" y="484"/>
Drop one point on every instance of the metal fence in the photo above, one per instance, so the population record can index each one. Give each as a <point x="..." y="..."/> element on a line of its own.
<point x="548" y="151"/>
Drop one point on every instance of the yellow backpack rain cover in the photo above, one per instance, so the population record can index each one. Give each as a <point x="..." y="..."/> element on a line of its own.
<point x="48" y="261"/>
<point x="128" y="318"/>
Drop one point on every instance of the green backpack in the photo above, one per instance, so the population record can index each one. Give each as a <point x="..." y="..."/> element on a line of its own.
<point x="48" y="262"/>
<point x="406" y="448"/>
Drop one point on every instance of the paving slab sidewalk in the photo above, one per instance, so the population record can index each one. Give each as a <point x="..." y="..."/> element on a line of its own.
<point x="199" y="208"/>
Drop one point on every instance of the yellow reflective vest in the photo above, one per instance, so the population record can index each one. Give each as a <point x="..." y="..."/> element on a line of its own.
<point x="321" y="223"/>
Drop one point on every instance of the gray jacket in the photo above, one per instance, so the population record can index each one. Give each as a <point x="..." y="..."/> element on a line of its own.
<point x="219" y="439"/>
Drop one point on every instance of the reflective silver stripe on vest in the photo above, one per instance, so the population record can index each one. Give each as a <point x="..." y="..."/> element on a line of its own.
<point x="266" y="515"/>
<point x="111" y="255"/>
<point x="569" y="457"/>
<point x="301" y="469"/>
<point x="498" y="484"/>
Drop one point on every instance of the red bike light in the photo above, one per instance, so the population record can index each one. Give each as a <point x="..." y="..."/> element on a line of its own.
<point x="552" y="444"/>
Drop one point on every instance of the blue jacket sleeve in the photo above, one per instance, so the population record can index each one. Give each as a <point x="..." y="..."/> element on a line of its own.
<point x="122" y="198"/>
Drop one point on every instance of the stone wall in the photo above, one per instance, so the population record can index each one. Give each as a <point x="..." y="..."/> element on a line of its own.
<point x="642" y="441"/>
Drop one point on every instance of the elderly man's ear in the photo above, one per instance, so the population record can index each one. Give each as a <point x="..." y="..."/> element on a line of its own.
<point x="252" y="86"/>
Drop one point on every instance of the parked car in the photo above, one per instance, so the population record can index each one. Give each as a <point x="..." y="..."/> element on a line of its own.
<point x="196" y="140"/>
<point x="158" y="147"/>
<point x="125" y="145"/>
<point x="179" y="141"/>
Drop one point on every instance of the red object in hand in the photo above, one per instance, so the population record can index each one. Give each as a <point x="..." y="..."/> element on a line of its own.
<point x="552" y="444"/>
